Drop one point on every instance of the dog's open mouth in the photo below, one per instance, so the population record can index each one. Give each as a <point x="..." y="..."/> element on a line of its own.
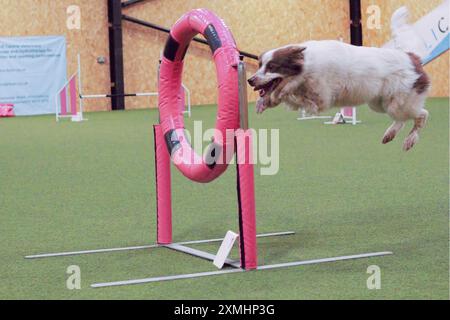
<point x="268" y="87"/>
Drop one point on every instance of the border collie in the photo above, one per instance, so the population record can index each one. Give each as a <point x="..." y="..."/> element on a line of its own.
<point x="317" y="75"/>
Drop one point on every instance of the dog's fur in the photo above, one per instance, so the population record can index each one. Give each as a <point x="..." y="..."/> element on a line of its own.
<point x="317" y="75"/>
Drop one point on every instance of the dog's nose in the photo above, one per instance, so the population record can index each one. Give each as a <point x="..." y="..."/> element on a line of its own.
<point x="251" y="81"/>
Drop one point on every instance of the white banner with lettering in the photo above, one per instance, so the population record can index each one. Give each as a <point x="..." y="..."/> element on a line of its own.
<point x="32" y="70"/>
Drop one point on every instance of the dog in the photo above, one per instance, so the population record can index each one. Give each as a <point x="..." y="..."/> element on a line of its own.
<point x="317" y="75"/>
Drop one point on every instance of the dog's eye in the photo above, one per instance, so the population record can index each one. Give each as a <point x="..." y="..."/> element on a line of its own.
<point x="270" y="66"/>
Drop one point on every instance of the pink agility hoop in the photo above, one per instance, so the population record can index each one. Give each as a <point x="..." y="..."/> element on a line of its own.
<point x="226" y="57"/>
<point x="170" y="138"/>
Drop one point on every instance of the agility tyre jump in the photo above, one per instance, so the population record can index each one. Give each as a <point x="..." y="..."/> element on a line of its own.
<point x="171" y="132"/>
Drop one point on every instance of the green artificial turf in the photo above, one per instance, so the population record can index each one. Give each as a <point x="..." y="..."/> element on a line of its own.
<point x="71" y="186"/>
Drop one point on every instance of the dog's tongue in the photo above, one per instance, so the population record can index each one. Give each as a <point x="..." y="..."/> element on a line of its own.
<point x="262" y="92"/>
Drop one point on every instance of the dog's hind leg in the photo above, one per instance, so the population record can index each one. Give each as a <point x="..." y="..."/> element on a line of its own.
<point x="413" y="137"/>
<point x="392" y="110"/>
<point x="392" y="131"/>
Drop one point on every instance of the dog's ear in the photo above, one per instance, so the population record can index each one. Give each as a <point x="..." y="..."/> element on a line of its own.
<point x="288" y="60"/>
<point x="295" y="54"/>
<point x="260" y="59"/>
<point x="296" y="51"/>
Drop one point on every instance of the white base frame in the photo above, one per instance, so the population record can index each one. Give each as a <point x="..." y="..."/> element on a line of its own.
<point x="83" y="252"/>
<point x="180" y="247"/>
<point x="347" y="119"/>
<point x="235" y="270"/>
<point x="352" y="120"/>
<point x="304" y="116"/>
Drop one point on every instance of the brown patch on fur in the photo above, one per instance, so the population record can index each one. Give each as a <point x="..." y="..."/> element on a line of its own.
<point x="287" y="61"/>
<point x="260" y="60"/>
<point x="423" y="82"/>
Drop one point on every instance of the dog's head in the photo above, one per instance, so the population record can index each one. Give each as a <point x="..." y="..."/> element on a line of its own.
<point x="274" y="67"/>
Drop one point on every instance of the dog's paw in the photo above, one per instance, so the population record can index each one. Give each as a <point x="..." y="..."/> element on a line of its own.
<point x="260" y="107"/>
<point x="388" y="137"/>
<point x="410" y="141"/>
<point x="312" y="110"/>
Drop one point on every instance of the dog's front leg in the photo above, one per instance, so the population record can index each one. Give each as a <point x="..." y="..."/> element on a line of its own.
<point x="269" y="101"/>
<point x="260" y="105"/>
<point x="298" y="102"/>
<point x="311" y="108"/>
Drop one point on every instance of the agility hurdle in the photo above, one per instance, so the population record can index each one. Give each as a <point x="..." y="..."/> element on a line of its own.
<point x="345" y="115"/>
<point x="171" y="144"/>
<point x="66" y="101"/>
<point x="187" y="109"/>
<point x="349" y="113"/>
<point x="68" y="95"/>
<point x="61" y="100"/>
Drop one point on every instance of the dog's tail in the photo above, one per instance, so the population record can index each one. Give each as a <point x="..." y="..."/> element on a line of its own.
<point x="404" y="36"/>
<point x="399" y="20"/>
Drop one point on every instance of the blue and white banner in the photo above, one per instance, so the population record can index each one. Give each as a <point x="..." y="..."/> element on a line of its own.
<point x="32" y="70"/>
<point x="430" y="33"/>
<point x="434" y="30"/>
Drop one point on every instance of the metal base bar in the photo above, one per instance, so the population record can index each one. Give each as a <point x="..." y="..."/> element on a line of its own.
<point x="346" y="122"/>
<point x="227" y="271"/>
<point x="201" y="254"/>
<point x="165" y="278"/>
<point x="75" y="253"/>
<point x="314" y="117"/>
<point x="316" y="261"/>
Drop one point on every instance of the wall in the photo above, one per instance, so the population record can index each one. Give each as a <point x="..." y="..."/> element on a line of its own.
<point x="48" y="17"/>
<point x="257" y="25"/>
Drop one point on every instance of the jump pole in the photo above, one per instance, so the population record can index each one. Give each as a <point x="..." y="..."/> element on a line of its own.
<point x="170" y="144"/>
<point x="80" y="83"/>
<point x="82" y="96"/>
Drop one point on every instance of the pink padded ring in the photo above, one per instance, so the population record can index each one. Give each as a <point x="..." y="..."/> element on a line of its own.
<point x="226" y="57"/>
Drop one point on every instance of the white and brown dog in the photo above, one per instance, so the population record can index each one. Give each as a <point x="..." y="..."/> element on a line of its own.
<point x="317" y="75"/>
